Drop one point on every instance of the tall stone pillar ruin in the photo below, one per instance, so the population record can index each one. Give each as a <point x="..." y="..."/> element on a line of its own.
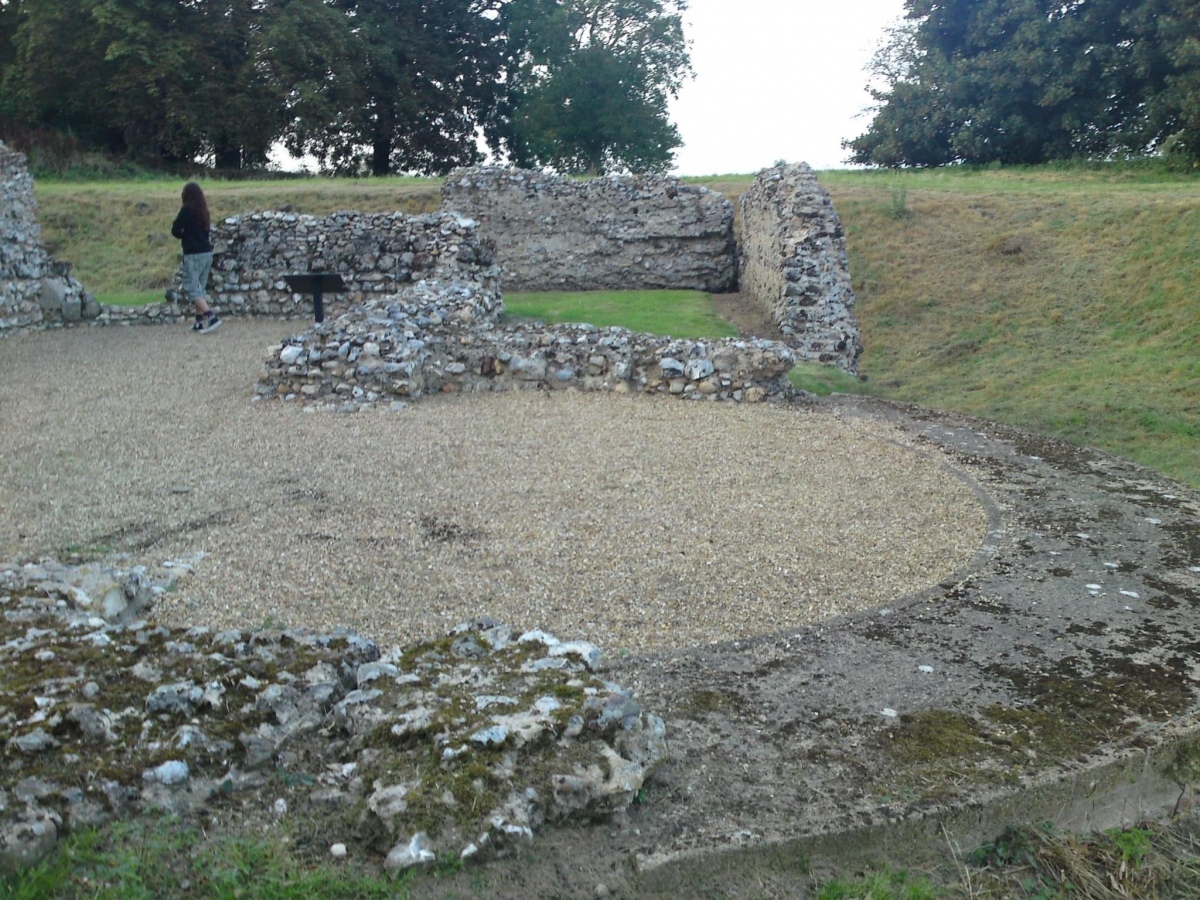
<point x="34" y="289"/>
<point x="794" y="264"/>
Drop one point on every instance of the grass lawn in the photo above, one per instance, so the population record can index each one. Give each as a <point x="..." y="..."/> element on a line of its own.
<point x="131" y="298"/>
<point x="680" y="314"/>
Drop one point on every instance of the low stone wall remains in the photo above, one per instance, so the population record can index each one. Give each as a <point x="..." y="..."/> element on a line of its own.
<point x="374" y="253"/>
<point x="116" y="716"/>
<point x="445" y="337"/>
<point x="611" y="233"/>
<point x="34" y="289"/>
<point x="794" y="263"/>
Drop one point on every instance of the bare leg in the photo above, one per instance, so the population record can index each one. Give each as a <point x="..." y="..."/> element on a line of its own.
<point x="202" y="307"/>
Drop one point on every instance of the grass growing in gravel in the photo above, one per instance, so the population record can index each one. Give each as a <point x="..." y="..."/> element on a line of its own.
<point x="680" y="314"/>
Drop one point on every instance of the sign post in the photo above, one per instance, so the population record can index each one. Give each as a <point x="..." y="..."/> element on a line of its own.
<point x="316" y="283"/>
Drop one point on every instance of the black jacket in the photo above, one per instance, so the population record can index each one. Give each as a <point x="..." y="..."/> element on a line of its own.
<point x="187" y="228"/>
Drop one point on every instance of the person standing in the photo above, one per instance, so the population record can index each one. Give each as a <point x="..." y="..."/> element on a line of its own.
<point x="192" y="227"/>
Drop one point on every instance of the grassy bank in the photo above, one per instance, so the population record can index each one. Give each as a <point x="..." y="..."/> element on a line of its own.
<point x="1058" y="299"/>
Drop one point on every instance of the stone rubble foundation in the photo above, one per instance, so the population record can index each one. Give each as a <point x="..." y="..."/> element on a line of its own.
<point x="109" y="716"/>
<point x="443" y="338"/>
<point x="34" y="289"/>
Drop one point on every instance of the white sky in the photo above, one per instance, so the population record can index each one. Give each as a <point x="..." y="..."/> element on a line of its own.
<point x="775" y="80"/>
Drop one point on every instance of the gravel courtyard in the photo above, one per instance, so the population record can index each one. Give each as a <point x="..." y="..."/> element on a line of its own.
<point x="640" y="523"/>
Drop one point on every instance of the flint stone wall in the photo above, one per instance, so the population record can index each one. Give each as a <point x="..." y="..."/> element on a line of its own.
<point x="445" y="337"/>
<point x="116" y="716"/>
<point x="610" y="233"/>
<point x="374" y="253"/>
<point x="34" y="289"/>
<point x="794" y="263"/>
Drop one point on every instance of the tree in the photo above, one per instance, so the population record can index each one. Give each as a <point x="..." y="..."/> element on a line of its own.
<point x="8" y="30"/>
<point x="425" y="77"/>
<point x="310" y="49"/>
<point x="152" y="73"/>
<point x="1169" y="52"/>
<point x="43" y="92"/>
<point x="596" y="113"/>
<point x="173" y="80"/>
<point x="1024" y="81"/>
<point x="590" y="81"/>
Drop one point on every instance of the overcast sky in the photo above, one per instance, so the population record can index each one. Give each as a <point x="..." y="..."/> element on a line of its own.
<point x="775" y="79"/>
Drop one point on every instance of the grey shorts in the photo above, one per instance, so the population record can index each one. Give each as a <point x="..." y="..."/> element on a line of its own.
<point x="195" y="274"/>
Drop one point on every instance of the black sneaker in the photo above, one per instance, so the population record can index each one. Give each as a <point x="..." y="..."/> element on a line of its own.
<point x="212" y="323"/>
<point x="198" y="325"/>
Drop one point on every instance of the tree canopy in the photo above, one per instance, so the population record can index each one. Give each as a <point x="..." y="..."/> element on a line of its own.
<point x="374" y="86"/>
<point x="591" y="84"/>
<point x="1027" y="81"/>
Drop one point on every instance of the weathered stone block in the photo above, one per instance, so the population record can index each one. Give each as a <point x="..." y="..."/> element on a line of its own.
<point x="613" y="233"/>
<point x="793" y="263"/>
<point x="53" y="295"/>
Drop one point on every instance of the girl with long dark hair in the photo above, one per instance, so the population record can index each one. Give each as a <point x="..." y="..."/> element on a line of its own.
<point x="192" y="227"/>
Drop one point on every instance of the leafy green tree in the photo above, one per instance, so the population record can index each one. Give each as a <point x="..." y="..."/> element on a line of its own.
<point x="173" y="80"/>
<point x="1025" y="81"/>
<point x="590" y="81"/>
<point x="1169" y="52"/>
<point x="41" y="91"/>
<point x="311" y="51"/>
<point x="426" y="74"/>
<point x="596" y="114"/>
<point x="152" y="73"/>
<point x="8" y="29"/>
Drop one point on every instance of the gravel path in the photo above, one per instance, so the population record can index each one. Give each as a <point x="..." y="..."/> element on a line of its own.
<point x="638" y="523"/>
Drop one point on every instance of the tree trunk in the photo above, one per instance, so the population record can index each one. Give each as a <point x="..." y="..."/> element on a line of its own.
<point x="227" y="157"/>
<point x="381" y="155"/>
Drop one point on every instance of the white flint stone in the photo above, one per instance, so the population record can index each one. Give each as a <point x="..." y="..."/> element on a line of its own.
<point x="588" y="652"/>
<point x="409" y="853"/>
<point x="171" y="772"/>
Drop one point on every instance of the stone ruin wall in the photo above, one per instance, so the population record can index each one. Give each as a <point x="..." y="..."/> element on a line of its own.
<point x="375" y="254"/>
<point x="34" y="289"/>
<point x="445" y="337"/>
<point x="610" y="233"/>
<point x="794" y="263"/>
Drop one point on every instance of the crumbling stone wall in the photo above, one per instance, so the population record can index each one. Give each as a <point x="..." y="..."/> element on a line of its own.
<point x="33" y="288"/>
<point x="174" y="720"/>
<point x="374" y="253"/>
<point x="794" y="263"/>
<point x="610" y="233"/>
<point x="445" y="337"/>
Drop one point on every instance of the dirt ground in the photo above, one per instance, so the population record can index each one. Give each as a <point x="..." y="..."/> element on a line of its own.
<point x="747" y="315"/>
